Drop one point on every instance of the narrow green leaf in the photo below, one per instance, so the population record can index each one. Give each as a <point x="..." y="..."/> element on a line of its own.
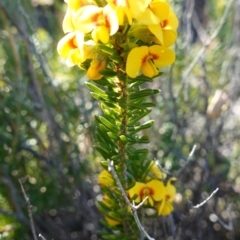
<point x="99" y="96"/>
<point x="141" y="151"/>
<point x="109" y="125"/>
<point x="115" y="157"/>
<point x="103" y="206"/>
<point x="116" y="59"/>
<point x="141" y="78"/>
<point x="108" y="50"/>
<point x="113" y="136"/>
<point x="143" y="139"/>
<point x="95" y="89"/>
<point x="104" y="164"/>
<point x="108" y="73"/>
<point x="113" y="94"/>
<point x="132" y="120"/>
<point x="148" y="104"/>
<point x="123" y="138"/>
<point x="143" y="93"/>
<point x="146" y="125"/>
<point x="103" y="152"/>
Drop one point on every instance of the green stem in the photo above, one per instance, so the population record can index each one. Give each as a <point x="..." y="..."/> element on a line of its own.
<point x="123" y="88"/>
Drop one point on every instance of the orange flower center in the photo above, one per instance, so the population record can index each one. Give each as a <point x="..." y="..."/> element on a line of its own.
<point x="164" y="23"/>
<point x="150" y="57"/>
<point x="73" y="43"/>
<point x="146" y="191"/>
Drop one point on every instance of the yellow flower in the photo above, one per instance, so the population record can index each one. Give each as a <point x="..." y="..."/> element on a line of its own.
<point x="165" y="31"/>
<point x="155" y="12"/>
<point x="105" y="178"/>
<point x="73" y="48"/>
<point x="154" y="189"/>
<point x="122" y="10"/>
<point x="141" y="32"/>
<point x="110" y="218"/>
<point x="112" y="221"/>
<point x="68" y="47"/>
<point x="137" y="7"/>
<point x="165" y="206"/>
<point x="148" y="60"/>
<point x="73" y="6"/>
<point x="155" y="172"/>
<point x="96" y="66"/>
<point x="101" y="22"/>
<point x="76" y="4"/>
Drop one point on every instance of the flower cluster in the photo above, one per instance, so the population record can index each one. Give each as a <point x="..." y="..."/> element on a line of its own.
<point x="160" y="192"/>
<point x="128" y="35"/>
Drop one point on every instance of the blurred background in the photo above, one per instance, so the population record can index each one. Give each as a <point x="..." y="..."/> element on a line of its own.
<point x="47" y="126"/>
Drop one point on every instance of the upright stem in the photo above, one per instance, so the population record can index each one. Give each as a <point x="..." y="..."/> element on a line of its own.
<point x="122" y="85"/>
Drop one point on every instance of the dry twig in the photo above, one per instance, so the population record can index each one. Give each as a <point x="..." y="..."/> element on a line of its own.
<point x="29" y="211"/>
<point x="133" y="207"/>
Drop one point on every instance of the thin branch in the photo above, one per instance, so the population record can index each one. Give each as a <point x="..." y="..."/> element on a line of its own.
<point x="188" y="160"/>
<point x="41" y="236"/>
<point x="133" y="207"/>
<point x="230" y="223"/>
<point x="29" y="211"/>
<point x="161" y="168"/>
<point x="206" y="200"/>
<point x="229" y="227"/>
<point x="207" y="43"/>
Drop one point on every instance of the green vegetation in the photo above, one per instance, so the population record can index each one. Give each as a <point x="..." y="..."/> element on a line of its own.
<point x="47" y="127"/>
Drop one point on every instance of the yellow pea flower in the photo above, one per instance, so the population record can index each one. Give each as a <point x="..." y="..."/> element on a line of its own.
<point x="155" y="172"/>
<point x="96" y="66"/>
<point x="141" y="32"/>
<point x="148" y="60"/>
<point x="110" y="218"/>
<point x="68" y="47"/>
<point x="137" y="7"/>
<point x="67" y="24"/>
<point x="165" y="206"/>
<point x="102" y="22"/>
<point x="105" y="178"/>
<point x="129" y="8"/>
<point x="73" y="48"/>
<point x="73" y="6"/>
<point x="155" y="190"/>
<point x="155" y="12"/>
<point x="122" y="9"/>
<point x="76" y="4"/>
<point x="165" y="31"/>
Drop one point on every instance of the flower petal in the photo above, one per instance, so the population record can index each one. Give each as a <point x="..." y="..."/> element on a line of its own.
<point x="157" y="31"/>
<point x="85" y="19"/>
<point x="165" y="208"/>
<point x="96" y="66"/>
<point x="137" y="7"/>
<point x="67" y="24"/>
<point x="160" y="9"/>
<point x="148" y="18"/>
<point x="111" y="19"/>
<point x="158" y="188"/>
<point x="136" y="190"/>
<point x="172" y="20"/>
<point x="169" y="37"/>
<point x="162" y="56"/>
<point x="156" y="172"/>
<point x="66" y="44"/>
<point x="148" y="69"/>
<point x="135" y="60"/>
<point x="105" y="178"/>
<point x="170" y="192"/>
